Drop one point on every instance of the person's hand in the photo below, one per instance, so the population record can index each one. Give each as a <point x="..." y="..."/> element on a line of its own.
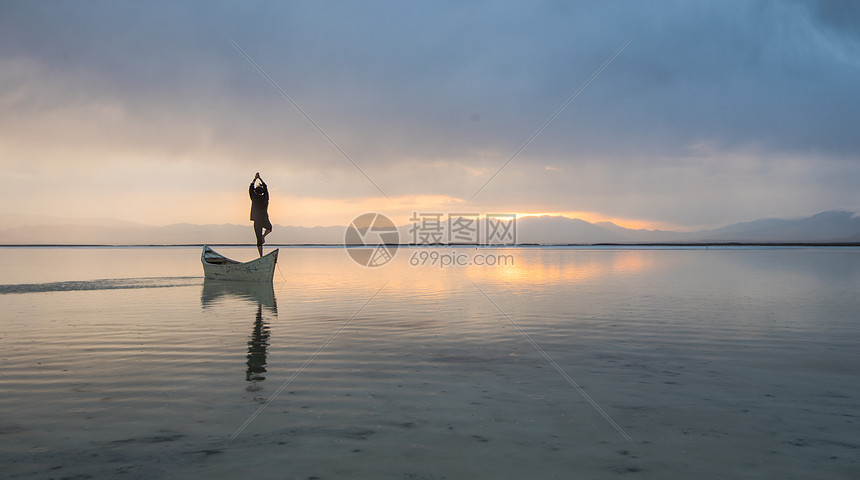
<point x="257" y="176"/>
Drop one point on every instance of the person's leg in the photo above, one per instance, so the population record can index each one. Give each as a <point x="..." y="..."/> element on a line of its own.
<point x="268" y="227"/>
<point x="258" y="232"/>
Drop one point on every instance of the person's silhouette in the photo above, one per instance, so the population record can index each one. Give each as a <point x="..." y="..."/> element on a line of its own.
<point x="260" y="211"/>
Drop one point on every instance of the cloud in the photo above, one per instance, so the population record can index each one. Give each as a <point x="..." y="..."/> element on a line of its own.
<point x="745" y="105"/>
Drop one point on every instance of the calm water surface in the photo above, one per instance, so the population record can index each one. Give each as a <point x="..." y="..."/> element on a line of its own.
<point x="570" y="363"/>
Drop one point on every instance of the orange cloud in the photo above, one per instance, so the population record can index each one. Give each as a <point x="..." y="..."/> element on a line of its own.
<point x="594" y="217"/>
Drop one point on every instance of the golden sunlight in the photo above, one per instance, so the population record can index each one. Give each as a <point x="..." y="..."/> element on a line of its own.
<point x="593" y="217"/>
<point x="319" y="211"/>
<point x="544" y="268"/>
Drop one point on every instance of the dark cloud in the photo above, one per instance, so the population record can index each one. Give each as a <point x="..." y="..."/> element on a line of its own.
<point x="406" y="85"/>
<point x="841" y="15"/>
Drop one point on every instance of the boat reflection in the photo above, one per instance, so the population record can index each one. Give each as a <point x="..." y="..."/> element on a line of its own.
<point x="263" y="295"/>
<point x="260" y="293"/>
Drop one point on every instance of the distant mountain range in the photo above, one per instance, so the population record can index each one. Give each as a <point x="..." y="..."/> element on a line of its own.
<point x="825" y="227"/>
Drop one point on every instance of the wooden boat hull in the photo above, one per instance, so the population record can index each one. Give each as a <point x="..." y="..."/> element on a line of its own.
<point x="219" y="267"/>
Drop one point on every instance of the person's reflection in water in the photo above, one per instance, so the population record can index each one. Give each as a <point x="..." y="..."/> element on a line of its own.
<point x="257" y="352"/>
<point x="261" y="295"/>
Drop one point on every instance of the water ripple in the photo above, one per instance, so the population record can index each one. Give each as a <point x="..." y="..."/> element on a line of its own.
<point x="102" y="284"/>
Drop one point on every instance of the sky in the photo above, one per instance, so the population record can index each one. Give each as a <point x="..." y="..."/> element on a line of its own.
<point x="713" y="113"/>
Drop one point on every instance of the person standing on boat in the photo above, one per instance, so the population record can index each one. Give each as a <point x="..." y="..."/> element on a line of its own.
<point x="260" y="211"/>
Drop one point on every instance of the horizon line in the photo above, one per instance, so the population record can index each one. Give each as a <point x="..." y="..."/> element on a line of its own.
<point x="444" y="245"/>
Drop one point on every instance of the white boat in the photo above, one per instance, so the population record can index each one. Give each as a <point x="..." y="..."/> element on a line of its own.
<point x="219" y="267"/>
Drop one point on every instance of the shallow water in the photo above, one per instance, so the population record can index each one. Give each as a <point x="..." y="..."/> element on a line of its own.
<point x="572" y="362"/>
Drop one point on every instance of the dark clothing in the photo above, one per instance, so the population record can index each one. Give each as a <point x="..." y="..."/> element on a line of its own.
<point x="260" y="211"/>
<point x="258" y="229"/>
<point x="259" y="203"/>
